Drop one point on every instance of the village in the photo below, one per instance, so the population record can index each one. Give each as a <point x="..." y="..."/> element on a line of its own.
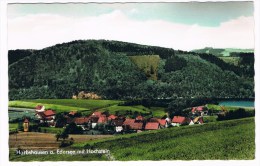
<point x="112" y="124"/>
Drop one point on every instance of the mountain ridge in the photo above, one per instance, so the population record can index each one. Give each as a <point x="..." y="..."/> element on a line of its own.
<point x="104" y="67"/>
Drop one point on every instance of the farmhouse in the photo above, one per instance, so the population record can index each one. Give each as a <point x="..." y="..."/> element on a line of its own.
<point x="136" y="126"/>
<point x="102" y="119"/>
<point x="199" y="110"/>
<point x="163" y="123"/>
<point x="180" y="120"/>
<point x="139" y="118"/>
<point x="112" y="117"/>
<point x="152" y="126"/>
<point x="93" y="120"/>
<point x="96" y="114"/>
<point x="118" y="123"/>
<point x="82" y="122"/>
<point x="46" y="116"/>
<point x="39" y="108"/>
<point x="198" y="120"/>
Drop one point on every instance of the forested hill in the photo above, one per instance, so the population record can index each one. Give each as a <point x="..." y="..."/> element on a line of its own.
<point x="104" y="67"/>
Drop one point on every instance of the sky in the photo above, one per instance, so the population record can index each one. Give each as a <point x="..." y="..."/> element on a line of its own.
<point x="184" y="26"/>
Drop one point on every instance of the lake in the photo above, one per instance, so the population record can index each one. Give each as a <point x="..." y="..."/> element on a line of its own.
<point x="236" y="103"/>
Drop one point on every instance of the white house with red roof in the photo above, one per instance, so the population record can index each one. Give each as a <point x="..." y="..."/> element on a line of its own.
<point x="200" y="110"/>
<point x="46" y="116"/>
<point x="82" y="122"/>
<point x="39" y="108"/>
<point x="180" y="120"/>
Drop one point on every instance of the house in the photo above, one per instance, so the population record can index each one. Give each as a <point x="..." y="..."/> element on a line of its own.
<point x="131" y="124"/>
<point x="136" y="126"/>
<point x="139" y="118"/>
<point x="82" y="122"/>
<point x="112" y="117"/>
<point x="152" y="126"/>
<point x="200" y="110"/>
<point x="128" y="121"/>
<point x="93" y="120"/>
<point x="46" y="116"/>
<point x="198" y="120"/>
<point x="118" y="123"/>
<point x="102" y="119"/>
<point x="72" y="113"/>
<point x="97" y="114"/>
<point x="163" y="123"/>
<point x="180" y="120"/>
<point x="39" y="108"/>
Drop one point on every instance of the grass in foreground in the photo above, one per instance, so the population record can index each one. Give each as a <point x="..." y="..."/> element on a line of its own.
<point x="226" y="140"/>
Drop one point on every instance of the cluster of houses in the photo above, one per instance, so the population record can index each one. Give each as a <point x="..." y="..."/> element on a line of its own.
<point x="120" y="123"/>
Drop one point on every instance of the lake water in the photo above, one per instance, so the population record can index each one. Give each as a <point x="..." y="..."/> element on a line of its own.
<point x="237" y="103"/>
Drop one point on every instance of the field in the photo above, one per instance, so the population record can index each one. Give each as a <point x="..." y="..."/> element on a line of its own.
<point x="84" y="106"/>
<point x="65" y="105"/>
<point x="226" y="140"/>
<point x="228" y="108"/>
<point x="46" y="141"/>
<point x="148" y="64"/>
<point x="231" y="60"/>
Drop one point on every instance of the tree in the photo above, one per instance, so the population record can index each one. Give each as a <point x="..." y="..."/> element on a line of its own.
<point x="72" y="128"/>
<point x="58" y="135"/>
<point x="64" y="135"/>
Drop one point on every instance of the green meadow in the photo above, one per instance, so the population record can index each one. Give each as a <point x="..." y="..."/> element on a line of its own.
<point x="225" y="140"/>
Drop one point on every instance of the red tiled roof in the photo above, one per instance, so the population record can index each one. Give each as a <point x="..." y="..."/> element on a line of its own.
<point x="38" y="107"/>
<point x="139" y="118"/>
<point x="97" y="113"/>
<point x="152" y="126"/>
<point x="200" y="108"/>
<point x="118" y="122"/>
<point x="102" y="119"/>
<point x="112" y="117"/>
<point x="129" y="121"/>
<point x="180" y="119"/>
<point x="136" y="126"/>
<point x="49" y="113"/>
<point x="73" y="113"/>
<point x="153" y="120"/>
<point x="193" y="109"/>
<point x="80" y="121"/>
<point x="162" y="122"/>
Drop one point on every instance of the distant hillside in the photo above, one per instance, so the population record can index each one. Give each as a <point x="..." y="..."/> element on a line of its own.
<point x="112" y="70"/>
<point x="222" y="52"/>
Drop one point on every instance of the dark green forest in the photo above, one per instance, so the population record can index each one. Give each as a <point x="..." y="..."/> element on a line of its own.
<point x="104" y="67"/>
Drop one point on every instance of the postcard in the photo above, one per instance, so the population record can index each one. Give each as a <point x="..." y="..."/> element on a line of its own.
<point x="131" y="81"/>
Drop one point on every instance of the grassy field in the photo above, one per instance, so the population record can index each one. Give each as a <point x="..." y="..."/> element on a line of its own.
<point x="158" y="112"/>
<point x="226" y="140"/>
<point x="228" y="108"/>
<point x="13" y="126"/>
<point x="147" y="63"/>
<point x="85" y="106"/>
<point x="65" y="105"/>
<point x="233" y="139"/>
<point x="231" y="60"/>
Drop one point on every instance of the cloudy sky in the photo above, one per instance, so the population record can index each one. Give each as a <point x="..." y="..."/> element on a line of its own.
<point x="182" y="26"/>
